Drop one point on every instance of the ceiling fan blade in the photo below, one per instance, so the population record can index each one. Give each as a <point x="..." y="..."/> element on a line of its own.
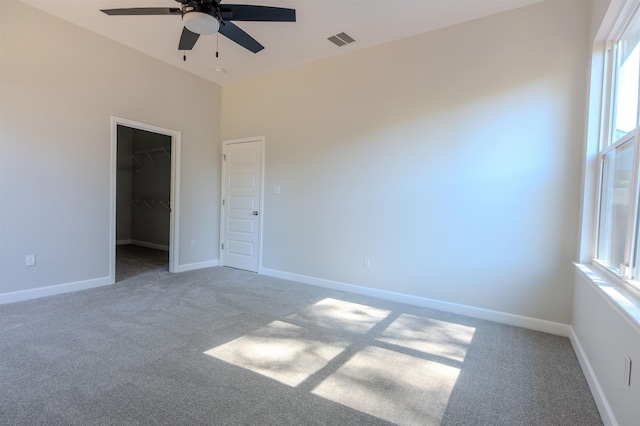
<point x="242" y="12"/>
<point x="235" y="33"/>
<point x="144" y="11"/>
<point x="187" y="39"/>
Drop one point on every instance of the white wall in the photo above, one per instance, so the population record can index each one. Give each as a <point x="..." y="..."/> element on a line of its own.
<point x="603" y="338"/>
<point x="59" y="87"/>
<point x="451" y="159"/>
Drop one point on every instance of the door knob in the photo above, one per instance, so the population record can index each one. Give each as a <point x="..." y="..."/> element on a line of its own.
<point x="255" y="213"/>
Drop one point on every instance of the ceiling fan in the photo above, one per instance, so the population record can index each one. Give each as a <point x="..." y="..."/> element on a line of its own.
<point x="209" y="17"/>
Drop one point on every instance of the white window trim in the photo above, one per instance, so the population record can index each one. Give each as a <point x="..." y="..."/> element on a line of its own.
<point x="624" y="300"/>
<point x="607" y="87"/>
<point x="622" y="294"/>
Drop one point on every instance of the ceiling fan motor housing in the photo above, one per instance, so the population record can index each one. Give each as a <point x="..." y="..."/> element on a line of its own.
<point x="200" y="19"/>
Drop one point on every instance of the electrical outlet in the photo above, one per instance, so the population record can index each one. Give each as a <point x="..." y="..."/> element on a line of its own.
<point x="366" y="262"/>
<point x="30" y="260"/>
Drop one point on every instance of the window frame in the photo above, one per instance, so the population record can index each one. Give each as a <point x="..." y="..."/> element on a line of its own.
<point x="606" y="144"/>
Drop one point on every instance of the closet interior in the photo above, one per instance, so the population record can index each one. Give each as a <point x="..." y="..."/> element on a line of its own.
<point x="143" y="192"/>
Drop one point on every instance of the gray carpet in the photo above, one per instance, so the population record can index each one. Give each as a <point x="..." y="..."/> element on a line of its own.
<point x="226" y="347"/>
<point x="132" y="260"/>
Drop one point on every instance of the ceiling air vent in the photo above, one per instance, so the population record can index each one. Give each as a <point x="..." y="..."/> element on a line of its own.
<point x="341" y="39"/>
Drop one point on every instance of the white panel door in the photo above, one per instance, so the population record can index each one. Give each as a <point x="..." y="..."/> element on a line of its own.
<point x="242" y="180"/>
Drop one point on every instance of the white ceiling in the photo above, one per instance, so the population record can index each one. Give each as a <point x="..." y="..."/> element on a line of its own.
<point x="287" y="44"/>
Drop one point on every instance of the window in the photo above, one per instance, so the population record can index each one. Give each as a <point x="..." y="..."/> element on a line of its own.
<point x="618" y="224"/>
<point x="617" y="169"/>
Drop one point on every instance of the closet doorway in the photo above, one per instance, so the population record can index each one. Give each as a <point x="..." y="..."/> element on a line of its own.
<point x="144" y="198"/>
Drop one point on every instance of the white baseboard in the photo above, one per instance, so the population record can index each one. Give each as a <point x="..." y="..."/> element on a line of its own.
<point x="606" y="413"/>
<point x="35" y="293"/>
<point x="472" y="311"/>
<point x="197" y="265"/>
<point x="149" y="245"/>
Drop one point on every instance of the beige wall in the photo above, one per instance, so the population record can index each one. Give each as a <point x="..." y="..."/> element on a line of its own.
<point x="59" y="87"/>
<point x="603" y="337"/>
<point x="450" y="159"/>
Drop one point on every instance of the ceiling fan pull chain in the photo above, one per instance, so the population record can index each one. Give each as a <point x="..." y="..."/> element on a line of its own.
<point x="184" y="56"/>
<point x="217" y="40"/>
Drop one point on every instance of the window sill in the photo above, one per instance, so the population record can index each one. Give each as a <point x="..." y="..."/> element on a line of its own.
<point x="622" y="299"/>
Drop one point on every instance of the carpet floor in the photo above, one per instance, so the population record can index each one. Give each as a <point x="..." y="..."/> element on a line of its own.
<point x="132" y="260"/>
<point x="220" y="346"/>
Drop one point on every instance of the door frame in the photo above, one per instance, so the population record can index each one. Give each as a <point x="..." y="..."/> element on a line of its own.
<point x="174" y="200"/>
<point x="223" y="195"/>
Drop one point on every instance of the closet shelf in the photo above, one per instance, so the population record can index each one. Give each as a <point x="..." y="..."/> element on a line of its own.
<point x="150" y="203"/>
<point x="147" y="152"/>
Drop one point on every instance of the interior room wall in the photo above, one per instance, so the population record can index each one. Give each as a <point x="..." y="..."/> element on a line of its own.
<point x="124" y="181"/>
<point x="451" y="160"/>
<point x="603" y="338"/>
<point x="143" y="188"/>
<point x="60" y="85"/>
<point x="150" y="188"/>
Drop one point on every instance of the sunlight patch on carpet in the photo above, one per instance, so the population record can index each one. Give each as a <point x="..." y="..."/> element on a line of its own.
<point x="431" y="336"/>
<point x="284" y="352"/>
<point x="392" y="386"/>
<point x="340" y="315"/>
<point x="403" y="373"/>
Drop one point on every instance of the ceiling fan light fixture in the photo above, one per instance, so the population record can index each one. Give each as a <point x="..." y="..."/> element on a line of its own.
<point x="200" y="22"/>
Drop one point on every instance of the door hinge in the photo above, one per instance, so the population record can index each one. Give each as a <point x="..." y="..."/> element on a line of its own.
<point x="223" y="202"/>
<point x="224" y="157"/>
<point x="222" y="246"/>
